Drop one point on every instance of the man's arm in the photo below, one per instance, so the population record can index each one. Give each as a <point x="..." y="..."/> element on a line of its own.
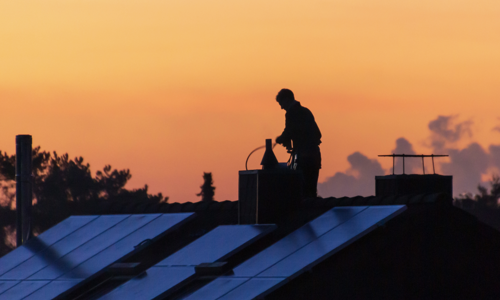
<point x="286" y="137"/>
<point x="287" y="143"/>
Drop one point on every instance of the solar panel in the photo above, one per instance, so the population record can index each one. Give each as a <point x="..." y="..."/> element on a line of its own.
<point x="298" y="252"/>
<point x="22" y="289"/>
<point x="229" y="288"/>
<point x="108" y="238"/>
<point x="120" y="249"/>
<point x="217" y="288"/>
<point x="5" y="285"/>
<point x="331" y="242"/>
<point x="217" y="245"/>
<point x="156" y="282"/>
<point x="296" y="240"/>
<point x="94" y="246"/>
<point x="52" y="289"/>
<point x="42" y="241"/>
<point x="62" y="247"/>
<point x="252" y="288"/>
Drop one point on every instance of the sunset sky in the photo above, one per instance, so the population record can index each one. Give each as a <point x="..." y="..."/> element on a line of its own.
<point x="174" y="88"/>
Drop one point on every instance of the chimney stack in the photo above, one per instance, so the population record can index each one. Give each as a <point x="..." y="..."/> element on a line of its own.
<point x="406" y="184"/>
<point x="23" y="188"/>
<point x="266" y="196"/>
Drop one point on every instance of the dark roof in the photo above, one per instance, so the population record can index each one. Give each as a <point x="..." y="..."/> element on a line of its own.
<point x="431" y="250"/>
<point x="127" y="207"/>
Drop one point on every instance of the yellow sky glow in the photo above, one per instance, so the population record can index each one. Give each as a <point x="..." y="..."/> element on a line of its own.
<point x="171" y="89"/>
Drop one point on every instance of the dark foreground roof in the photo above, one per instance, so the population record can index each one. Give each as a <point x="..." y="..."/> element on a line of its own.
<point x="127" y="207"/>
<point x="430" y="250"/>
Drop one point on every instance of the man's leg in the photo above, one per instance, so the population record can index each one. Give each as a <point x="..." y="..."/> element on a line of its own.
<point x="311" y="175"/>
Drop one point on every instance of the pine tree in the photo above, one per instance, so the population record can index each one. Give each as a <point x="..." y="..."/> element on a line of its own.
<point x="207" y="189"/>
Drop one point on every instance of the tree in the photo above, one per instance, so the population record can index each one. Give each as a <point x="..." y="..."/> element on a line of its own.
<point x="207" y="189"/>
<point x="485" y="198"/>
<point x="63" y="187"/>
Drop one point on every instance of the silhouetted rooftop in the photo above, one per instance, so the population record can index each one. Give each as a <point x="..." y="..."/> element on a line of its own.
<point x="127" y="207"/>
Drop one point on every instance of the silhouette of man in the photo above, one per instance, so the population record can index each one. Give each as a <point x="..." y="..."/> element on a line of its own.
<point x="301" y="130"/>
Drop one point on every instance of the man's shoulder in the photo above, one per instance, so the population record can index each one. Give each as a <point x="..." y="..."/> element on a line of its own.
<point x="298" y="110"/>
<point x="303" y="110"/>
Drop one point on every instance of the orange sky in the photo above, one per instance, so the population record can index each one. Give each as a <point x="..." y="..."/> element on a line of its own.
<point x="171" y="89"/>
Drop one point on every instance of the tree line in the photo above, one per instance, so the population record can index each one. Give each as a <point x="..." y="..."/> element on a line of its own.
<point x="485" y="198"/>
<point x="61" y="187"/>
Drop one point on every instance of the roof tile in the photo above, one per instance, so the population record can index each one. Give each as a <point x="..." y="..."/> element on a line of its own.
<point x="201" y="206"/>
<point x="345" y="201"/>
<point x="319" y="202"/>
<point x="214" y="206"/>
<point x="188" y="206"/>
<point x="174" y="207"/>
<point x="152" y="209"/>
<point x="388" y="200"/>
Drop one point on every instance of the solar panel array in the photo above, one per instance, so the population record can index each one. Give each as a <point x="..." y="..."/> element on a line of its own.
<point x="75" y="250"/>
<point x="298" y="252"/>
<point x="215" y="246"/>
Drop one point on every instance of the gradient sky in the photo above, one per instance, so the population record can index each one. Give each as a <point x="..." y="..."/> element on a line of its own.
<point x="170" y="89"/>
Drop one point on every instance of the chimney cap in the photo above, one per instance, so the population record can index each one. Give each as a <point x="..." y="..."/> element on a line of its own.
<point x="269" y="160"/>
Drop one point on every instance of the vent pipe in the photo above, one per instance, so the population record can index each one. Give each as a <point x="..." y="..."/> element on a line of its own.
<point x="24" y="194"/>
<point x="269" y="160"/>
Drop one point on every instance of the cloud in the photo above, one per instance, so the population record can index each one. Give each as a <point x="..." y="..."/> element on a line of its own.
<point x="445" y="133"/>
<point x="494" y="155"/>
<point x="496" y="128"/>
<point x="403" y="146"/>
<point x="467" y="165"/>
<point x="359" y="179"/>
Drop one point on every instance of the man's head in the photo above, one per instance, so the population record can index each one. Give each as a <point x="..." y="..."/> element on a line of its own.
<point x="285" y="98"/>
